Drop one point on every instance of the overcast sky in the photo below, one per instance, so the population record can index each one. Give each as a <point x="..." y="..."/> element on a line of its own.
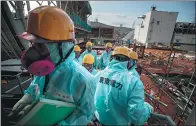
<point x="126" y="12"/>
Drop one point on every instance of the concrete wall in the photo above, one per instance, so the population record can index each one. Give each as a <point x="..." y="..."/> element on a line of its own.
<point x="136" y="32"/>
<point x="141" y="33"/>
<point x="158" y="32"/>
<point x="162" y="29"/>
<point x="185" y="38"/>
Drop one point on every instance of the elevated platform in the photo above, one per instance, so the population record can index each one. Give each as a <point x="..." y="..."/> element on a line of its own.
<point x="12" y="65"/>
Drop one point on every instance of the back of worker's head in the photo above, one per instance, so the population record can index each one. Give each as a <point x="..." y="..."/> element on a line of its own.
<point x="108" y="46"/>
<point x="121" y="54"/>
<point x="89" y="46"/>
<point x="50" y="29"/>
<point x="88" y="62"/>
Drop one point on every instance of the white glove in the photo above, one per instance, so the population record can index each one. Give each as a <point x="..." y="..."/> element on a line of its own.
<point x="152" y="109"/>
<point x="22" y="105"/>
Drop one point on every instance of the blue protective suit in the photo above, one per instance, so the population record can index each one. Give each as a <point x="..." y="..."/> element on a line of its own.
<point x="105" y="59"/>
<point x="94" y="72"/>
<point x="95" y="65"/>
<point x="119" y="97"/>
<point x="133" y="70"/>
<point x="79" y="60"/>
<point x="69" y="82"/>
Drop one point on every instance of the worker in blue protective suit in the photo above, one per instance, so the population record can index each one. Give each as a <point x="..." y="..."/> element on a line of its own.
<point x="77" y="51"/>
<point x="105" y="56"/>
<point x="51" y="59"/>
<point x="119" y="96"/>
<point x="133" y="60"/>
<point x="90" y="51"/>
<point x="88" y="62"/>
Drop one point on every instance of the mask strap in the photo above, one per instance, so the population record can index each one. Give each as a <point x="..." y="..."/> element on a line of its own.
<point x="61" y="53"/>
<point x="46" y="83"/>
<point x="61" y="60"/>
<point x="91" y="69"/>
<point x="131" y="66"/>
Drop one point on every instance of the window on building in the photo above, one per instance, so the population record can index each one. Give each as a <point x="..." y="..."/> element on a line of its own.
<point x="158" y="22"/>
<point x="142" y="26"/>
<point x="178" y="40"/>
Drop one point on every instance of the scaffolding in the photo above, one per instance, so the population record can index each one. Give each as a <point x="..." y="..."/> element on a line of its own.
<point x="167" y="88"/>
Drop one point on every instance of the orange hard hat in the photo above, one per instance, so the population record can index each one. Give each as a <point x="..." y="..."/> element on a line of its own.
<point x="50" y="23"/>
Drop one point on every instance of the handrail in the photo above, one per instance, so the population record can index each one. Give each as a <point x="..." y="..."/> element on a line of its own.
<point x="79" y="22"/>
<point x="163" y="117"/>
<point x="160" y="102"/>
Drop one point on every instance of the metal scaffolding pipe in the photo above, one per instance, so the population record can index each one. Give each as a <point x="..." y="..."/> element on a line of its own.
<point x="66" y="6"/>
<point x="59" y="4"/>
<point x="160" y="102"/>
<point x="28" y="6"/>
<point x="7" y="44"/>
<point x="163" y="117"/>
<point x="191" y="119"/>
<point x="20" y="11"/>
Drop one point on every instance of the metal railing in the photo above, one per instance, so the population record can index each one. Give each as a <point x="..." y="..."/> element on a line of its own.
<point x="78" y="22"/>
<point x="160" y="119"/>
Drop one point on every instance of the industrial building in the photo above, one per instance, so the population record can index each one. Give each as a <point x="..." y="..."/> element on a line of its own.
<point x="156" y="27"/>
<point x="185" y="36"/>
<point x="101" y="33"/>
<point x="159" y="28"/>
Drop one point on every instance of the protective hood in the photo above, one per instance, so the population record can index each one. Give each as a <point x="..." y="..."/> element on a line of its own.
<point x="117" y="65"/>
<point x="54" y="51"/>
<point x="133" y="64"/>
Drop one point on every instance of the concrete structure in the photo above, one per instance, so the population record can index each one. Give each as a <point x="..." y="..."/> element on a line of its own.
<point x="120" y="33"/>
<point x="102" y="33"/>
<point x="156" y="27"/>
<point x="185" y="36"/>
<point x="129" y="36"/>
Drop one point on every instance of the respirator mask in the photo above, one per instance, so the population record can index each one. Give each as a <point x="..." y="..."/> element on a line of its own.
<point x="36" y="59"/>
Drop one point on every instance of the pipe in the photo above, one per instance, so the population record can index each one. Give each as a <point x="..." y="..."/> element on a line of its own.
<point x="163" y="117"/>
<point x="11" y="65"/>
<point x="28" y="6"/>
<point x="160" y="102"/>
<point x="20" y="11"/>
<point x="66" y="6"/>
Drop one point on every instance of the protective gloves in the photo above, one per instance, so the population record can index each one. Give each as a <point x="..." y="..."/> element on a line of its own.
<point x="22" y="105"/>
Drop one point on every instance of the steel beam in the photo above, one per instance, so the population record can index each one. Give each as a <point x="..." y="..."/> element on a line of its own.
<point x="20" y="11"/>
<point x="12" y="5"/>
<point x="5" y="29"/>
<point x="10" y="23"/>
<point x="59" y="4"/>
<point x="28" y="6"/>
<point x="53" y="3"/>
